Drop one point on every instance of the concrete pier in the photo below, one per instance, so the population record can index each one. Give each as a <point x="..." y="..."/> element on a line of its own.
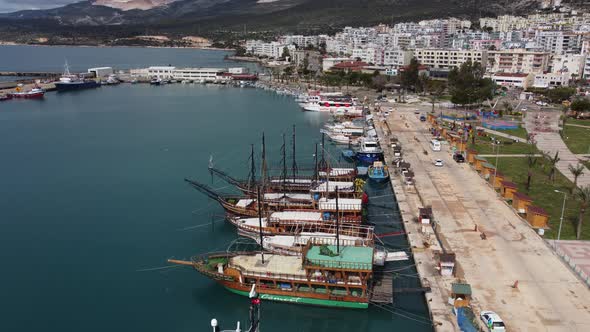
<point x="511" y="269"/>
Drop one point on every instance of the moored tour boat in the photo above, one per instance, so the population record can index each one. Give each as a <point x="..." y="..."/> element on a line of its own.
<point x="247" y="206"/>
<point x="323" y="275"/>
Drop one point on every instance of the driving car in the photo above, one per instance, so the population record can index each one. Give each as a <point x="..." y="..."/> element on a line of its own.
<point x="492" y="321"/>
<point x="438" y="162"/>
<point x="458" y="157"/>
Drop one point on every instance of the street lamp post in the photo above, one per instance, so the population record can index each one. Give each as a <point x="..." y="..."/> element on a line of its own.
<point x="496" y="167"/>
<point x="562" y="212"/>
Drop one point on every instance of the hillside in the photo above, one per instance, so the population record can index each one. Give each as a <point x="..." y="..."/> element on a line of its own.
<point x="209" y="16"/>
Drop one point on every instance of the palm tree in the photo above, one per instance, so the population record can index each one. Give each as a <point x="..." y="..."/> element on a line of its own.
<point x="583" y="195"/>
<point x="531" y="161"/>
<point x="552" y="164"/>
<point x="576" y="172"/>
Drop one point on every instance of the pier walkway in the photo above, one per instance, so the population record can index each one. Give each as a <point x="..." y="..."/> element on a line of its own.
<point x="548" y="296"/>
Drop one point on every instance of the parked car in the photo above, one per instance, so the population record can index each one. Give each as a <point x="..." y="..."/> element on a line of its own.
<point x="438" y="162"/>
<point x="492" y="321"/>
<point x="541" y="103"/>
<point x="386" y="113"/>
<point x="458" y="157"/>
<point x="422" y="118"/>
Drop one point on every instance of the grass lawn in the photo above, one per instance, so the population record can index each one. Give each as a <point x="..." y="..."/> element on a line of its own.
<point x="543" y="195"/>
<point x="578" y="122"/>
<point x="577" y="139"/>
<point x="520" y="132"/>
<point x="484" y="145"/>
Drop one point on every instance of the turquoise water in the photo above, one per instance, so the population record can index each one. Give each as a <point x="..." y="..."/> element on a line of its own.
<point x="92" y="195"/>
<point x="22" y="58"/>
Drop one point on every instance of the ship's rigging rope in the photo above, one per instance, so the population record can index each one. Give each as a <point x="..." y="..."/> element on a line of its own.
<point x="390" y="310"/>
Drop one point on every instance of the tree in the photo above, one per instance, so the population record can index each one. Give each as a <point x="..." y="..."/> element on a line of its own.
<point x="322" y="48"/>
<point x="576" y="172"/>
<point x="286" y="53"/>
<point x="531" y="161"/>
<point x="560" y="94"/>
<point x="582" y="195"/>
<point x="580" y="105"/>
<point x="508" y="107"/>
<point x="552" y="164"/>
<point x="467" y="85"/>
<point x="409" y="77"/>
<point x="379" y="82"/>
<point x="436" y="88"/>
<point x="423" y="80"/>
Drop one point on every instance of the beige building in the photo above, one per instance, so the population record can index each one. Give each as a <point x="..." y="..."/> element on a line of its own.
<point x="518" y="61"/>
<point x="448" y="59"/>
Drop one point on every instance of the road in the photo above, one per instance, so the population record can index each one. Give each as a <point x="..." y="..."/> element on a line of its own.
<point x="549" y="297"/>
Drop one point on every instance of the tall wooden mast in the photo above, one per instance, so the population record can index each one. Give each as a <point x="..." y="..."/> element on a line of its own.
<point x="294" y="165"/>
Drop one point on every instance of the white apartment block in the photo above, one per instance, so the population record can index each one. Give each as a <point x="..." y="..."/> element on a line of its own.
<point x="338" y="46"/>
<point x="559" y="42"/>
<point x="300" y="40"/>
<point x="568" y="63"/>
<point x="271" y="50"/>
<point x="372" y="55"/>
<point x="551" y="80"/>
<point x="518" y="61"/>
<point x="396" y="58"/>
<point x="447" y="59"/>
<point x="586" y="73"/>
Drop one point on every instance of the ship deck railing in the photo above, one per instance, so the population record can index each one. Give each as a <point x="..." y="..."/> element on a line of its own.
<point x="322" y="264"/>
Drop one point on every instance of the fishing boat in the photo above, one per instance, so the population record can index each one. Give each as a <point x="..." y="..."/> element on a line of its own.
<point x="323" y="275"/>
<point x="34" y="93"/>
<point x="369" y="151"/>
<point x="69" y="82"/>
<point x="378" y="172"/>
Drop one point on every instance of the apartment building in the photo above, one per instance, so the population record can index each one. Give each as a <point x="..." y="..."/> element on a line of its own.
<point x="517" y="61"/>
<point x="559" y="42"/>
<point x="448" y="59"/>
<point x="551" y="80"/>
<point x="396" y="58"/>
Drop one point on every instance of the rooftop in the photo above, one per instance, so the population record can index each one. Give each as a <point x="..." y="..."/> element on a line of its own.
<point x="461" y="289"/>
<point x="537" y="210"/>
<point x="349" y="257"/>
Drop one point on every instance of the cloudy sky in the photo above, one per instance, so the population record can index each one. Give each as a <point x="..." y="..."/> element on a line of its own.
<point x="14" y="5"/>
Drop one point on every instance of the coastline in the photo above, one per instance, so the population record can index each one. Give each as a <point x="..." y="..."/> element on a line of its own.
<point x="5" y="43"/>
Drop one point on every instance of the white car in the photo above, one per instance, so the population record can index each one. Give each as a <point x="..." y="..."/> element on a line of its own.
<point x="386" y="113"/>
<point x="541" y="103"/>
<point x="492" y="321"/>
<point x="438" y="162"/>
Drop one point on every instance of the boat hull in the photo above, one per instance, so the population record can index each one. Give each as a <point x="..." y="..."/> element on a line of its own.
<point x="61" y="87"/>
<point x="369" y="157"/>
<point x="37" y="95"/>
<point x="265" y="294"/>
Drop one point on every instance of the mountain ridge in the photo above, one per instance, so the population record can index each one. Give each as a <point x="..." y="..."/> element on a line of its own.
<point x="205" y="16"/>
